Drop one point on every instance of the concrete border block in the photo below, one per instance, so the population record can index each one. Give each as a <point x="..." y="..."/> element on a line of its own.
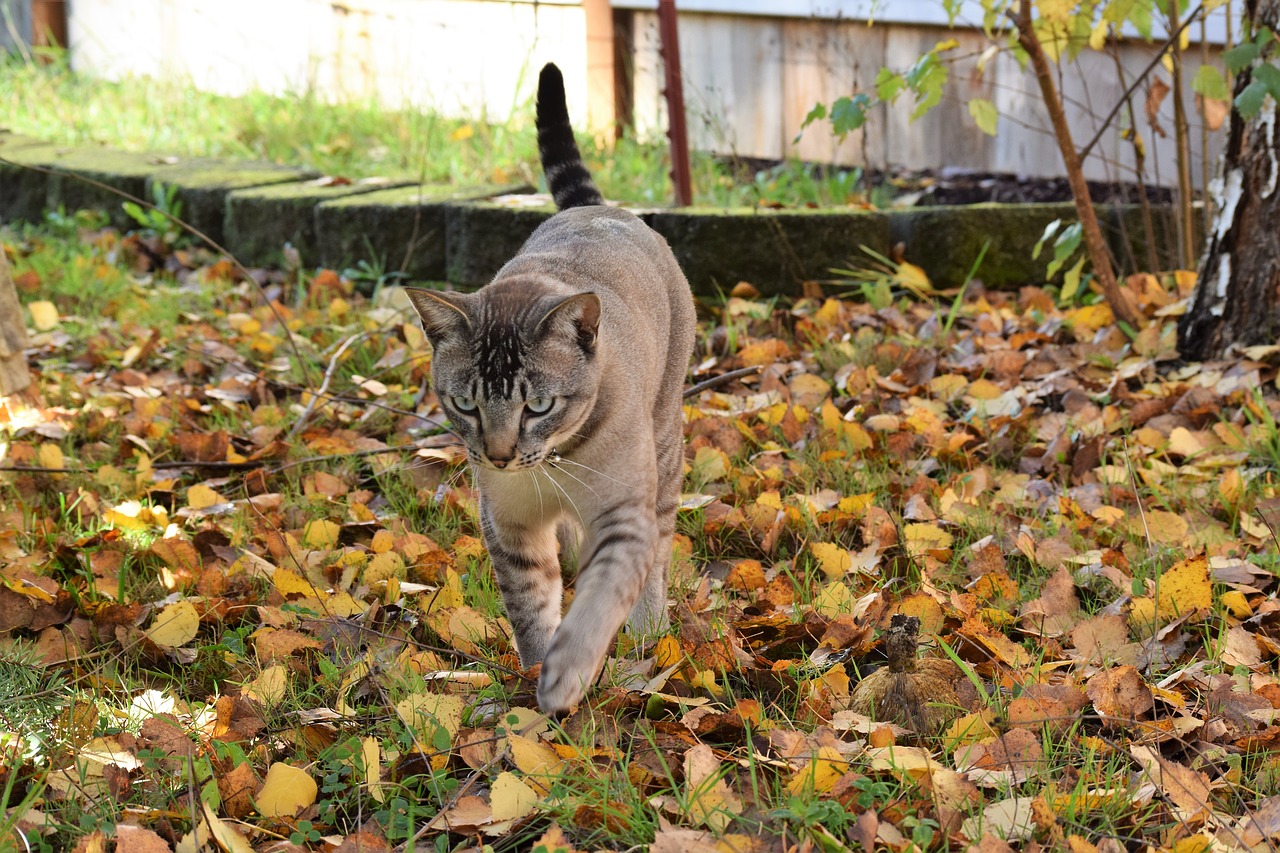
<point x="259" y="221"/>
<point x="774" y="250"/>
<point x="482" y="236"/>
<point x="201" y="188"/>
<point x="403" y="228"/>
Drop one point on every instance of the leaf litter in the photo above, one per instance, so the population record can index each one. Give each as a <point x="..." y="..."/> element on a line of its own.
<point x="992" y="573"/>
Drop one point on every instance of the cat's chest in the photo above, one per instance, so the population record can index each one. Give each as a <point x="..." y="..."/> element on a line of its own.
<point x="540" y="495"/>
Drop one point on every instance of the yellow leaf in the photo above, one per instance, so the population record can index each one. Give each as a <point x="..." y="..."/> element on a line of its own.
<point x="537" y="761"/>
<point x="371" y="752"/>
<point x="834" y="561"/>
<point x="199" y="497"/>
<point x="270" y="685"/>
<point x="770" y="499"/>
<point x="710" y="801"/>
<point x="1098" y="36"/>
<point x="834" y="599"/>
<point x="175" y="626"/>
<point x="386" y="565"/>
<point x="419" y="709"/>
<point x="463" y="133"/>
<point x="914" y="278"/>
<point x="667" y="652"/>
<point x="1185" y="587"/>
<point x="828" y="315"/>
<point x="710" y="463"/>
<point x="321" y="533"/>
<point x="856" y="503"/>
<point x="921" y="539"/>
<point x="1236" y="603"/>
<point x="821" y="774"/>
<point x="50" y="456"/>
<point x="286" y="791"/>
<point x="290" y="584"/>
<point x="1166" y="528"/>
<point x="44" y="315"/>
<point x="511" y="798"/>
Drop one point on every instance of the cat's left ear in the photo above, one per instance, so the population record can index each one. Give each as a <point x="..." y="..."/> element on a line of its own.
<point x="578" y="315"/>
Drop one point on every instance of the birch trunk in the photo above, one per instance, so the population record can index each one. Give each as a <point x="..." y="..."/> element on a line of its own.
<point x="1235" y="300"/>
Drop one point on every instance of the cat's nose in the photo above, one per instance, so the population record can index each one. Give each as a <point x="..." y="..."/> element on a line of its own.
<point x="499" y="461"/>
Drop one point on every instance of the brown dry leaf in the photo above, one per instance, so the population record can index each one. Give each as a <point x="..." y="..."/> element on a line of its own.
<point x="136" y="839"/>
<point x="1054" y="612"/>
<point x="236" y="788"/>
<point x="1120" y="693"/>
<point x="708" y="799"/>
<point x="1188" y="789"/>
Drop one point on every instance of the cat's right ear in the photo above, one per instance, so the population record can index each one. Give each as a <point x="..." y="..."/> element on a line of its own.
<point x="440" y="314"/>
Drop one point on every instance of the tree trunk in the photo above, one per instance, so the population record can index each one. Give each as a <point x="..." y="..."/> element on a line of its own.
<point x="1120" y="299"/>
<point x="1235" y="300"/>
<point x="14" y="375"/>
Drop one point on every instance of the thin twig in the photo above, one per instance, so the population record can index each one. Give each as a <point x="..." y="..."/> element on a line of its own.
<point x="324" y="384"/>
<point x="1124" y="99"/>
<point x="722" y="379"/>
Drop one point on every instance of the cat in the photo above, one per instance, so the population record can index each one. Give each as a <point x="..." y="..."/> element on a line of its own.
<point x="563" y="378"/>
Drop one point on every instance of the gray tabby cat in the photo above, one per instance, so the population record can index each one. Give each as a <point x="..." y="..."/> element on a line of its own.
<point x="563" y="377"/>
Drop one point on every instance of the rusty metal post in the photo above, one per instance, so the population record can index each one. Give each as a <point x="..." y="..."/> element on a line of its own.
<point x="677" y="130"/>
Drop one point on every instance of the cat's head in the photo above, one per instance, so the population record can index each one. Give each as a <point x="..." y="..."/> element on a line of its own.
<point x="514" y="366"/>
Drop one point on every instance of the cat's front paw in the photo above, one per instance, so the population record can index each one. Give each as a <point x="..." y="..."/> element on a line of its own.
<point x="567" y="672"/>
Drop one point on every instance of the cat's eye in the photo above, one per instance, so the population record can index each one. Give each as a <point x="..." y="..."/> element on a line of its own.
<point x="539" y="405"/>
<point x="464" y="404"/>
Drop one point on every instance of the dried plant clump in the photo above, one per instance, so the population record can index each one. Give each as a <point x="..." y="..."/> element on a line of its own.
<point x="917" y="693"/>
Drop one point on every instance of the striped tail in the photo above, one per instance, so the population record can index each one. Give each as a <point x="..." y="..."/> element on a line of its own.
<point x="568" y="178"/>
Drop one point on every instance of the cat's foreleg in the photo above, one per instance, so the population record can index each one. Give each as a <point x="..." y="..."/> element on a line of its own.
<point x="614" y="570"/>
<point x="527" y="568"/>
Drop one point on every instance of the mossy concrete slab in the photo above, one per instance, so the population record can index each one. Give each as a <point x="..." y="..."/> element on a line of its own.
<point x="24" y="191"/>
<point x="947" y="241"/>
<point x="775" y="250"/>
<point x="482" y="236"/>
<point x="261" y="220"/>
<point x="93" y="178"/>
<point x="402" y="229"/>
<point x="201" y="188"/>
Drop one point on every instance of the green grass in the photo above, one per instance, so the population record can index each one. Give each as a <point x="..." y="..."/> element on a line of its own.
<point x="359" y="139"/>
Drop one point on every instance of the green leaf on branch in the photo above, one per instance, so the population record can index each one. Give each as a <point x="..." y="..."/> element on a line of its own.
<point x="1270" y="77"/>
<point x="888" y="84"/>
<point x="1209" y="83"/>
<point x="1249" y="102"/>
<point x="818" y="113"/>
<point x="849" y="114"/>
<point x="1049" y="231"/>
<point x="985" y="115"/>
<point x="926" y="78"/>
<point x="1064" y="247"/>
<point x="1240" y="57"/>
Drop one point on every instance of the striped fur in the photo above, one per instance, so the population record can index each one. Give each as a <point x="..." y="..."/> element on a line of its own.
<point x="563" y="378"/>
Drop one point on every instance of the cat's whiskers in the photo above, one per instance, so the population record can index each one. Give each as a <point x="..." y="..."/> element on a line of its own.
<point x="593" y="471"/>
<point x="578" y="480"/>
<point x="567" y="496"/>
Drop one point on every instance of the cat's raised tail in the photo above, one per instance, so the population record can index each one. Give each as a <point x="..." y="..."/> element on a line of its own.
<point x="567" y="177"/>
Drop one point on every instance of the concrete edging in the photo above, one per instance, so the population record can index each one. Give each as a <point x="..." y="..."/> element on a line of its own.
<point x="462" y="235"/>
